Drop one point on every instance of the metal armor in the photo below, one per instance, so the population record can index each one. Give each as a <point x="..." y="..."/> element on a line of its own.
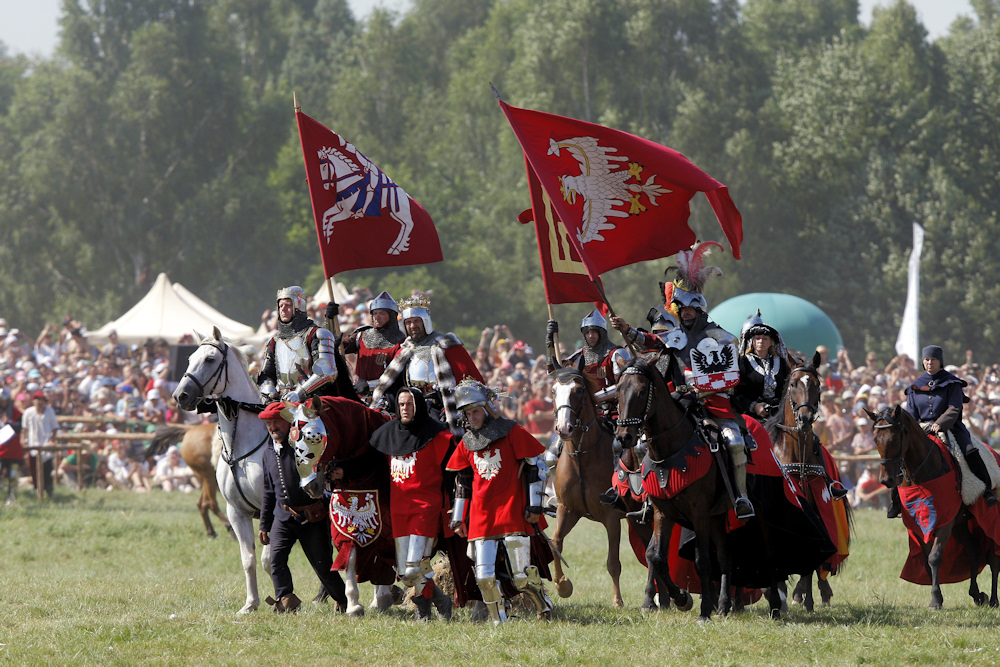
<point x="420" y="371"/>
<point x="293" y="359"/>
<point x="536" y="473"/>
<point x="413" y="560"/>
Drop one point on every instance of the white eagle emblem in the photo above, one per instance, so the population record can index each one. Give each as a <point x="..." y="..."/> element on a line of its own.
<point x="488" y="467"/>
<point x="361" y="522"/>
<point x="401" y="467"/>
<point x="603" y="184"/>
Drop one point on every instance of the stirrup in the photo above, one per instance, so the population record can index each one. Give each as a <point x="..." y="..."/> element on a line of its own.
<point x="990" y="498"/>
<point x="744" y="508"/>
<point x="837" y="490"/>
<point x="643" y="514"/>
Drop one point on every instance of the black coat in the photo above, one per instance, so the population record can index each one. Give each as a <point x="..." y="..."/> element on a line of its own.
<point x="750" y="390"/>
<point x="276" y="495"/>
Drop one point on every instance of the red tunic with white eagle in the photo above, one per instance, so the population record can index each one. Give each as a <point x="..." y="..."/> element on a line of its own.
<point x="418" y="502"/>
<point x="499" y="496"/>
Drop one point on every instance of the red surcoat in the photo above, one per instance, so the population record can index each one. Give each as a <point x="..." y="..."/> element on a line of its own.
<point x="499" y="496"/>
<point x="418" y="502"/>
<point x="372" y="362"/>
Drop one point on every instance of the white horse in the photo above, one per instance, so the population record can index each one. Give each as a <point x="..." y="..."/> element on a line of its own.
<point x="363" y="189"/>
<point x="218" y="370"/>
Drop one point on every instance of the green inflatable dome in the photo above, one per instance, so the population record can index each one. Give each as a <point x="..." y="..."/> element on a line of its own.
<point x="802" y="325"/>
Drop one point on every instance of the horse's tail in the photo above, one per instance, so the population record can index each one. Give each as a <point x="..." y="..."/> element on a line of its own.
<point x="163" y="437"/>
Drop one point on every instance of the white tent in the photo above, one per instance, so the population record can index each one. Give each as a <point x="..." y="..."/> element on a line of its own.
<point x="340" y="293"/>
<point x="169" y="311"/>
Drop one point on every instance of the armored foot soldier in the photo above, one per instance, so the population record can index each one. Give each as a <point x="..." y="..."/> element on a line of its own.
<point x="499" y="492"/>
<point x="708" y="356"/>
<point x="376" y="345"/>
<point x="300" y="360"/>
<point x="936" y="400"/>
<point x="431" y="361"/>
<point x="418" y="446"/>
<point x="289" y="515"/>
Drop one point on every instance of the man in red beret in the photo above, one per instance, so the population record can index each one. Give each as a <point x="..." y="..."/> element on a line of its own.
<point x="288" y="515"/>
<point x="39" y="425"/>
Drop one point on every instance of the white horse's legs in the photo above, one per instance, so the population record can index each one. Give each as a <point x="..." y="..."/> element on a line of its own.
<point x="383" y="597"/>
<point x="354" y="607"/>
<point x="243" y="527"/>
<point x="402" y="242"/>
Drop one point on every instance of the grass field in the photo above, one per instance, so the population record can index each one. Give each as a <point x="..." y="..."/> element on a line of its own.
<point x="121" y="578"/>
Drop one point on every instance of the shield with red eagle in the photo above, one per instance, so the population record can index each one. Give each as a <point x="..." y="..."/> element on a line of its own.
<point x="356" y="514"/>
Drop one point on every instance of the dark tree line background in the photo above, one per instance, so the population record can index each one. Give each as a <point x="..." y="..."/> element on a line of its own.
<point x="161" y="137"/>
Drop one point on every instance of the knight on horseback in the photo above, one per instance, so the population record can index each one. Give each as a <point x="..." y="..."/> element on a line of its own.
<point x="763" y="369"/>
<point x="707" y="353"/>
<point x="429" y="360"/>
<point x="299" y="359"/>
<point x="498" y="501"/>
<point x="375" y="345"/>
<point x="936" y="400"/>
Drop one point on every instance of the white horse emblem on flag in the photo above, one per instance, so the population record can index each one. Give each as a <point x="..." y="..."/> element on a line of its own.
<point x="362" y="190"/>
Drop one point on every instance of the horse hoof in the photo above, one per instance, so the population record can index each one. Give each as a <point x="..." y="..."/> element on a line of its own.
<point x="704" y="619"/>
<point x="356" y="611"/>
<point x="383" y="602"/>
<point x="648" y="608"/>
<point x="981" y="599"/>
<point x="797" y="598"/>
<point x="564" y="587"/>
<point x="685" y="602"/>
<point x="618" y="603"/>
<point x="247" y="608"/>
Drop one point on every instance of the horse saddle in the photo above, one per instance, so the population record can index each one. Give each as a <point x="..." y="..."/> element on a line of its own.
<point x="676" y="461"/>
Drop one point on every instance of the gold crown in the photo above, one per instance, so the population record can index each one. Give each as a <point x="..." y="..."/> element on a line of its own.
<point x="416" y="301"/>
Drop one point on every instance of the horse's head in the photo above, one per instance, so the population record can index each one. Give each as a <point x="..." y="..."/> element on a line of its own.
<point x="635" y="400"/>
<point x="207" y="372"/>
<point x="890" y="433"/>
<point x="572" y="398"/>
<point x="804" y="388"/>
<point x="308" y="437"/>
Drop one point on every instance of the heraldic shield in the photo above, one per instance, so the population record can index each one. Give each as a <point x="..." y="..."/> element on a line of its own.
<point x="356" y="515"/>
<point x="714" y="362"/>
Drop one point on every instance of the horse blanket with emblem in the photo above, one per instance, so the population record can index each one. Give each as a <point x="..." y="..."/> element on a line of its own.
<point x="935" y="503"/>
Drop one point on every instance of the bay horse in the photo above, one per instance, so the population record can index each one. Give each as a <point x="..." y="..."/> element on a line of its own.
<point x="582" y="473"/>
<point x="702" y="504"/>
<point x="805" y="461"/>
<point x="197" y="451"/>
<point x="927" y="480"/>
<point x="217" y="369"/>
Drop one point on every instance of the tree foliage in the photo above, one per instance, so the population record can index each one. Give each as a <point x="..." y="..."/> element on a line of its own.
<point x="160" y="137"/>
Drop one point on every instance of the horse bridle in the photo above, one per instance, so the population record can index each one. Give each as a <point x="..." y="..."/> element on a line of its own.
<point x="636" y="421"/>
<point x="892" y="423"/>
<point x="576" y="425"/>
<point x="813" y="407"/>
<point x="217" y="374"/>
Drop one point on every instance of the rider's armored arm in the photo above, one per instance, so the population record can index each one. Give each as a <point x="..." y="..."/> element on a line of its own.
<point x="268" y="375"/>
<point x="536" y="472"/>
<point x="551" y="329"/>
<point x="324" y="366"/>
<point x="463" y="492"/>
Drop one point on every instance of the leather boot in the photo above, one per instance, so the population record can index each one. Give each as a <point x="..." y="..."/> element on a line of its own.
<point x="978" y="468"/>
<point x="895" y="507"/>
<point x="423" y="605"/>
<point x="442" y="602"/>
<point x="743" y="506"/>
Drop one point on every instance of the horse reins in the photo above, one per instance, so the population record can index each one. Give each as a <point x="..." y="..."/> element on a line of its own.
<point x="891" y="423"/>
<point x="231" y="410"/>
<point x="635" y="421"/>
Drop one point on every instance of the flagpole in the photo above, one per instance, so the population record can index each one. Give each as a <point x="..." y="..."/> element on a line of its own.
<point x="555" y="337"/>
<point x="611" y="313"/>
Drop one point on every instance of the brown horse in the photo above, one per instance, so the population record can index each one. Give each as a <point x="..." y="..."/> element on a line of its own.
<point x="801" y="456"/>
<point x="702" y="505"/>
<point x="582" y="473"/>
<point x="196" y="450"/>
<point x="911" y="460"/>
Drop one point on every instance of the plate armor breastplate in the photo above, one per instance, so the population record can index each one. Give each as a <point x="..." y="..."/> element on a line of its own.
<point x="420" y="370"/>
<point x="291" y="360"/>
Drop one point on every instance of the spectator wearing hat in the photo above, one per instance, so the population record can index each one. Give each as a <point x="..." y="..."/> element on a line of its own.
<point x="39" y="427"/>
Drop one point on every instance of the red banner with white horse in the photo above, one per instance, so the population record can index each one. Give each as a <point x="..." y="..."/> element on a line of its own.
<point x="363" y="218"/>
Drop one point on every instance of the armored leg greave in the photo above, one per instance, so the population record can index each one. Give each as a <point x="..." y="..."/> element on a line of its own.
<point x="486" y="579"/>
<point x="526" y="577"/>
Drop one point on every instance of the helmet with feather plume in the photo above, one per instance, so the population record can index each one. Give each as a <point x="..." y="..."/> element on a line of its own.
<point x="691" y="275"/>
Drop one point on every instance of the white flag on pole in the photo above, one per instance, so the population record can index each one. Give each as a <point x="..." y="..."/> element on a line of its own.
<point x="908" y="340"/>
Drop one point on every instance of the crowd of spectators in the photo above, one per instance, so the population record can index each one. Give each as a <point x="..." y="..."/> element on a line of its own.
<point x="113" y="389"/>
<point x="130" y="387"/>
